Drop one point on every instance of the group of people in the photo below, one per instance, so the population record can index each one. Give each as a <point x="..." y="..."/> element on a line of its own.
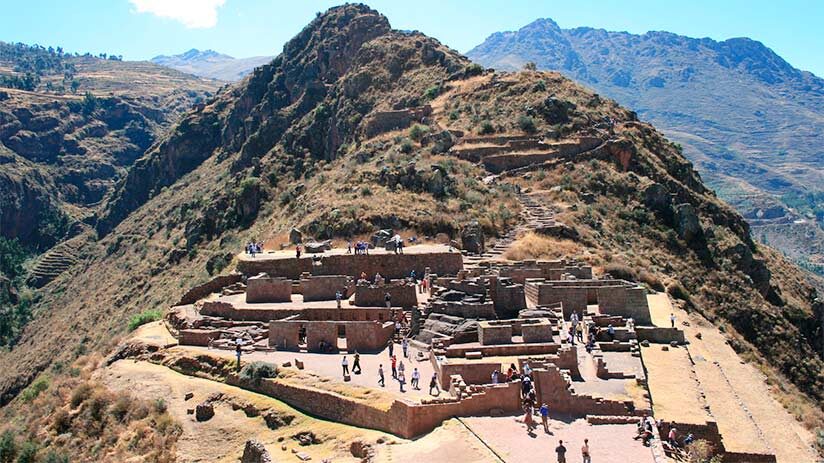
<point x="253" y="248"/>
<point x="360" y="247"/>
<point x="398" y="369"/>
<point x="561" y="452"/>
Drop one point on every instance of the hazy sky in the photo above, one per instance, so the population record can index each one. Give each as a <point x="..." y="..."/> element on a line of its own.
<point x="141" y="29"/>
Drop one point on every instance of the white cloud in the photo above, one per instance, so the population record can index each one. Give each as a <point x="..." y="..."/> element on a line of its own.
<point x="194" y="14"/>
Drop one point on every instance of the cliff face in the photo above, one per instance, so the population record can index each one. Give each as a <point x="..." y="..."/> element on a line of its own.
<point x="746" y="118"/>
<point x="64" y="150"/>
<point x="352" y="128"/>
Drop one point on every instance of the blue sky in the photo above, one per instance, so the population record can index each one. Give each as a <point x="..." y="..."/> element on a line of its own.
<point x="141" y="29"/>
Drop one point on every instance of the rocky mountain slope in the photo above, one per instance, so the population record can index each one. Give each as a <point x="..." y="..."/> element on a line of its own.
<point x="744" y="116"/>
<point x="211" y="64"/>
<point x="352" y="128"/>
<point x="70" y="127"/>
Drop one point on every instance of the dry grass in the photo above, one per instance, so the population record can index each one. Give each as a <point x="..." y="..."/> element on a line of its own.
<point x="535" y="246"/>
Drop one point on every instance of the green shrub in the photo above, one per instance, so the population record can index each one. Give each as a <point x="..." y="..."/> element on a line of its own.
<point x="432" y="92"/>
<point x="526" y="123"/>
<point x="473" y="69"/>
<point x="144" y="317"/>
<point x="487" y="128"/>
<point x="678" y="291"/>
<point x="418" y="131"/>
<point x="256" y="371"/>
<point x="406" y="146"/>
<point x="34" y="390"/>
<point x="539" y="86"/>
<point x="54" y="457"/>
<point x="8" y="447"/>
<point x="28" y="452"/>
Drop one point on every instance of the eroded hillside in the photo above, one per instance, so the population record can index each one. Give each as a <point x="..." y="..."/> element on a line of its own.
<point x="356" y="126"/>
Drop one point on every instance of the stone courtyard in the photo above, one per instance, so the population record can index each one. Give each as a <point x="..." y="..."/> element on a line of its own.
<point x="599" y="351"/>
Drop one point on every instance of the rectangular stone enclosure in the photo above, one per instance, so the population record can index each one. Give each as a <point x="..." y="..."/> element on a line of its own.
<point x="490" y="333"/>
<point x="263" y="288"/>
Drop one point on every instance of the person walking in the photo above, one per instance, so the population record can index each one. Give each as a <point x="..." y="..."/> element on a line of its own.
<point x="387" y="298"/>
<point x="433" y="384"/>
<point x="405" y="347"/>
<point x="416" y="379"/>
<point x="338" y="297"/>
<point x="401" y="368"/>
<point x="585" y="452"/>
<point x="401" y="379"/>
<point x="545" y="416"/>
<point x="381" y="379"/>
<point x="238" y="350"/>
<point x="394" y="367"/>
<point x="345" y="364"/>
<point x="297" y="251"/>
<point x="560" y="450"/>
<point x="391" y="346"/>
<point x="672" y="320"/>
<point x="356" y="369"/>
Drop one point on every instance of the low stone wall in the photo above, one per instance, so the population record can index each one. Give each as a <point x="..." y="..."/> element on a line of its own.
<point x="402" y="295"/>
<point x="494" y="333"/>
<point x="212" y="286"/>
<point x="226" y="310"/>
<point x="485" y="311"/>
<point x="361" y="336"/>
<point x="503" y="350"/>
<point x="389" y="265"/>
<point x="197" y="337"/>
<point x="659" y="335"/>
<point x="263" y="288"/>
<point x="385" y="121"/>
<point x="626" y="302"/>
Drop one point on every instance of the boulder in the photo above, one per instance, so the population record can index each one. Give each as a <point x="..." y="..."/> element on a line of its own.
<point x="255" y="452"/>
<point x="316" y="248"/>
<point x="657" y="198"/>
<point x="440" y="141"/>
<point x="686" y="222"/>
<point x="204" y="411"/>
<point x="472" y="238"/>
<point x="295" y="236"/>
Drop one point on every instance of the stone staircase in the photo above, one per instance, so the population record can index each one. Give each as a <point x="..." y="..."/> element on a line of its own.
<point x="54" y="262"/>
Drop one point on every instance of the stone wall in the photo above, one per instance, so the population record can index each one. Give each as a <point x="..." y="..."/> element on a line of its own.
<point x="403" y="295"/>
<point x="508" y="299"/>
<point x="226" y="310"/>
<point x="324" y="287"/>
<point x="537" y="332"/>
<point x="385" y="121"/>
<point x="490" y="333"/>
<point x="263" y="288"/>
<point x="284" y="335"/>
<point x="197" y="337"/>
<point x="368" y="336"/>
<point x="553" y="388"/>
<point x="573" y="298"/>
<point x="659" y="335"/>
<point x="389" y="265"/>
<point x="212" y="286"/>
<point x="626" y="302"/>
<point x="485" y="311"/>
<point x="320" y="331"/>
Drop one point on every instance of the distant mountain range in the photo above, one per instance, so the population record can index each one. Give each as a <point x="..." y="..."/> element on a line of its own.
<point x="209" y="63"/>
<point x="750" y="122"/>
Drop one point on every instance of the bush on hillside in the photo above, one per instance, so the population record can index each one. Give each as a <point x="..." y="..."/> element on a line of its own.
<point x="527" y="124"/>
<point x="621" y="272"/>
<point x="34" y="390"/>
<point x="418" y="131"/>
<point x="142" y="318"/>
<point x="256" y="371"/>
<point x="487" y="128"/>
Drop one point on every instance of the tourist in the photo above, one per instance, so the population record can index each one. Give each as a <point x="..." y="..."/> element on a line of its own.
<point x="349" y="248"/>
<point x="394" y="367"/>
<point x="391" y="346"/>
<point x="401" y="379"/>
<point x="671" y="437"/>
<point x="413" y="276"/>
<point x="379" y="280"/>
<point x="297" y="251"/>
<point x="560" y="450"/>
<point x="397" y="328"/>
<point x="338" y="297"/>
<point x="416" y="379"/>
<point x="345" y="364"/>
<point x="570" y="339"/>
<point x="545" y="416"/>
<point x="526" y="385"/>
<point x="579" y="332"/>
<point x="405" y="346"/>
<point x="399" y="246"/>
<point x="238" y="344"/>
<point x="611" y="332"/>
<point x="689" y="439"/>
<point x="495" y="377"/>
<point x="433" y="384"/>
<point x="356" y="369"/>
<point x="573" y="319"/>
<point x="530" y="423"/>
<point x="585" y="452"/>
<point x="387" y="299"/>
<point x="630" y="324"/>
<point x="381" y="379"/>
<point x="527" y="370"/>
<point x="401" y="368"/>
<point x="672" y="320"/>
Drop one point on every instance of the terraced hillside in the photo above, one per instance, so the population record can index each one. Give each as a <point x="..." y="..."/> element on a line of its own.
<point x="341" y="144"/>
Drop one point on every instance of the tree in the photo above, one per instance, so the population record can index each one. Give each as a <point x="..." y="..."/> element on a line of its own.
<point x="75" y="85"/>
<point x="530" y="66"/>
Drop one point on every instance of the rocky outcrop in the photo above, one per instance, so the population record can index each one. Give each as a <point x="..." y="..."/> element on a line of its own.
<point x="472" y="238"/>
<point x="686" y="222"/>
<point x="255" y="452"/>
